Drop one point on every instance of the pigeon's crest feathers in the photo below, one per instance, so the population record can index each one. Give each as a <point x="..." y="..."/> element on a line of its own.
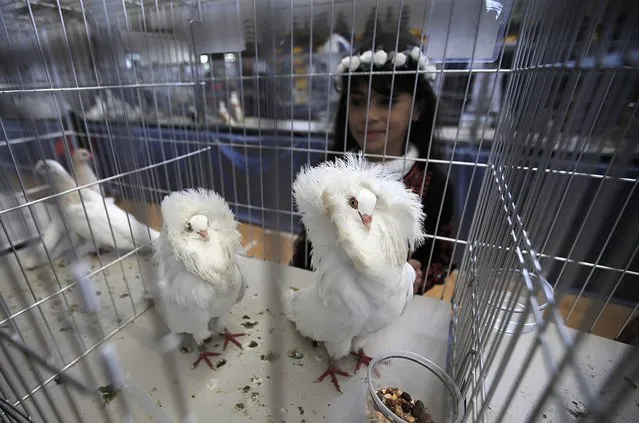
<point x="179" y="207"/>
<point x="322" y="194"/>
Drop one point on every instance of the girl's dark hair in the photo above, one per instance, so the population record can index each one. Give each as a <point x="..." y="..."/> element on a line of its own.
<point x="420" y="130"/>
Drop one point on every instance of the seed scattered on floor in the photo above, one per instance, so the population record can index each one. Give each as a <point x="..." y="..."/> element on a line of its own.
<point x="109" y="392"/>
<point x="253" y="344"/>
<point x="295" y="354"/>
<point x="249" y="325"/>
<point x="220" y="363"/>
<point x="239" y="406"/>
<point x="270" y="356"/>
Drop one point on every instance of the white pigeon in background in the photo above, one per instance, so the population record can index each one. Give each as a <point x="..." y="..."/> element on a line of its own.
<point x="362" y="223"/>
<point x="105" y="223"/>
<point x="84" y="174"/>
<point x="199" y="280"/>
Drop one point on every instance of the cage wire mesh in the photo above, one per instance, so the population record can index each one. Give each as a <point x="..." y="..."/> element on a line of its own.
<point x="536" y="133"/>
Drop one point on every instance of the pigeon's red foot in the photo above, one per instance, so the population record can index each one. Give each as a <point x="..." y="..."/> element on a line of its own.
<point x="204" y="356"/>
<point x="231" y="337"/>
<point x="333" y="371"/>
<point x="361" y="359"/>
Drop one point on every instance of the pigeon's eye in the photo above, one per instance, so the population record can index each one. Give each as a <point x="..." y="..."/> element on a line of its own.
<point x="189" y="228"/>
<point x="353" y="202"/>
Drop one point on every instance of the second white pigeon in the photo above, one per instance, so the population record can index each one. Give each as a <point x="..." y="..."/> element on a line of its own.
<point x="362" y="223"/>
<point x="199" y="279"/>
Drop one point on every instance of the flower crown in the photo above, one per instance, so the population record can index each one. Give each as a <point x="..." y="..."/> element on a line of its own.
<point x="381" y="58"/>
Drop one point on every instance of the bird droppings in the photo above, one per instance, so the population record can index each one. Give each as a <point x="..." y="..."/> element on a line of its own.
<point x="98" y="292"/>
<point x="154" y="389"/>
<point x="109" y="392"/>
<point x="212" y="384"/>
<point x="254" y="395"/>
<point x="301" y="409"/>
<point x="249" y="325"/>
<point x="246" y="389"/>
<point x="295" y="354"/>
<point x="315" y="344"/>
<point x="270" y="356"/>
<point x="245" y="317"/>
<point x="544" y="416"/>
<point x="64" y="329"/>
<point x="193" y="396"/>
<point x="294" y="289"/>
<point x="158" y="403"/>
<point x="578" y="411"/>
<point x="630" y="382"/>
<point x="73" y="308"/>
<point x="253" y="344"/>
<point x="124" y="295"/>
<point x="220" y="363"/>
<point x="239" y="406"/>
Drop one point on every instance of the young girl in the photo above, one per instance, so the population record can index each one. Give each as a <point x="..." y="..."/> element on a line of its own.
<point x="381" y="127"/>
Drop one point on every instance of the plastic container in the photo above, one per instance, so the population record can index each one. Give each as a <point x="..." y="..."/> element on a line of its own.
<point x="422" y="379"/>
<point x="511" y="305"/>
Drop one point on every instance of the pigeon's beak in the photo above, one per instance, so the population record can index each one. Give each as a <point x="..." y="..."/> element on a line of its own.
<point x="204" y="234"/>
<point x="366" y="220"/>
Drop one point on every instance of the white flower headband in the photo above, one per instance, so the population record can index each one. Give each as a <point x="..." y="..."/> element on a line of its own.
<point x="381" y="58"/>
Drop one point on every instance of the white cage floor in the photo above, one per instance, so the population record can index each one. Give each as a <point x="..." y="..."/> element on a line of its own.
<point x="240" y="388"/>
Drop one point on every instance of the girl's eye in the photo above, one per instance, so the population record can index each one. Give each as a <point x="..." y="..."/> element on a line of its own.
<point x="388" y="101"/>
<point x="189" y="228"/>
<point x="353" y="202"/>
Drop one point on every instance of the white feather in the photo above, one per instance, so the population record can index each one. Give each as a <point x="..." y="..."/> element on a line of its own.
<point x="198" y="281"/>
<point x="93" y="218"/>
<point x="83" y="172"/>
<point x="362" y="279"/>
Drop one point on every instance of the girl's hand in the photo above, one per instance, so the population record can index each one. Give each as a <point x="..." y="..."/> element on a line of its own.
<point x="419" y="278"/>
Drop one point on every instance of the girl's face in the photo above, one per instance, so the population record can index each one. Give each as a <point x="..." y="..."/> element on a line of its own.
<point x="381" y="112"/>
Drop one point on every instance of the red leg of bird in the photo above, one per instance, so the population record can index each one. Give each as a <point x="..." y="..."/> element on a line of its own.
<point x="333" y="371"/>
<point x="361" y="359"/>
<point x="204" y="356"/>
<point x="231" y="337"/>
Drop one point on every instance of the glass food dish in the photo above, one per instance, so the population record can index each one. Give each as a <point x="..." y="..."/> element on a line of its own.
<point x="420" y="391"/>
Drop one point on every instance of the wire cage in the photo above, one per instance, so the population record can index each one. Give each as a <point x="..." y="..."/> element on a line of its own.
<point x="537" y="123"/>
